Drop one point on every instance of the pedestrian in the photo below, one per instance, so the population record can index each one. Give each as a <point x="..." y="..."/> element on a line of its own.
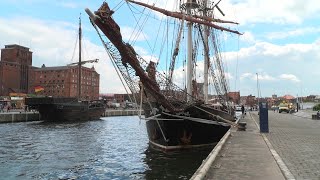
<point x="1" y="108"/>
<point x="242" y="109"/>
<point x="318" y="114"/>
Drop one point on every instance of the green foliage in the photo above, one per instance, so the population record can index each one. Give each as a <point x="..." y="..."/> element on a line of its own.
<point x="316" y="107"/>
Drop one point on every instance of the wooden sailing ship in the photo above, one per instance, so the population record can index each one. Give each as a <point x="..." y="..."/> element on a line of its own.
<point x="68" y="109"/>
<point x="175" y="118"/>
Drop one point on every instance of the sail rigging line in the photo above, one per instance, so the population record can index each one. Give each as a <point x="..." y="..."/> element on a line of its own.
<point x="200" y="120"/>
<point x="74" y="49"/>
<point x="137" y="24"/>
<point x="118" y="6"/>
<point x="218" y="117"/>
<point x="126" y="57"/>
<point x="214" y="79"/>
<point x="112" y="61"/>
<point x="218" y="62"/>
<point x="176" y="50"/>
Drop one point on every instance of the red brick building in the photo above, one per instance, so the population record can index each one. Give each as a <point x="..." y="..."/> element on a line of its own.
<point x="62" y="81"/>
<point x="234" y="97"/>
<point x="251" y="101"/>
<point x="15" y="69"/>
<point x="18" y="76"/>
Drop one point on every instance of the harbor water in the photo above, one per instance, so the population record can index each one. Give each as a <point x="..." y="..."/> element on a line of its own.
<point x="110" y="148"/>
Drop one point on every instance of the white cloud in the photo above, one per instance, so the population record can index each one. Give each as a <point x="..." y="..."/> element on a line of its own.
<point x="247" y="37"/>
<point x="260" y="76"/>
<point x="289" y="77"/>
<point x="272" y="11"/>
<point x="277" y="66"/>
<point x="72" y="5"/>
<point x="293" y="33"/>
<point x="52" y="44"/>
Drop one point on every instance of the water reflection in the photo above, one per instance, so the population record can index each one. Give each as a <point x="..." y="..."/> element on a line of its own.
<point x="112" y="148"/>
<point x="174" y="165"/>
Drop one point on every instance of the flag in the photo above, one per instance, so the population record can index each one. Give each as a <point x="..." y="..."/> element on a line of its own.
<point x="38" y="88"/>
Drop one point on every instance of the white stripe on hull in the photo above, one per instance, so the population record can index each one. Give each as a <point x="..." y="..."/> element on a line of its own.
<point x="180" y="146"/>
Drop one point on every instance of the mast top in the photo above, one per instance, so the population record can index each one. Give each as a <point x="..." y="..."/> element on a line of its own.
<point x="191" y="4"/>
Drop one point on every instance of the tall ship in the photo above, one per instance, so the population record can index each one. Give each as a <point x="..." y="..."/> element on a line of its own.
<point x="71" y="108"/>
<point x="176" y="116"/>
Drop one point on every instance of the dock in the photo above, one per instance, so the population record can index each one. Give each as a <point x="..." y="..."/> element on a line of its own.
<point x="289" y="151"/>
<point x="18" y="116"/>
<point x="22" y="116"/>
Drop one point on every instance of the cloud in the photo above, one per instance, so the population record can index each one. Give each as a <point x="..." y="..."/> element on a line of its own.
<point x="260" y="76"/>
<point x="272" y="11"/>
<point x="281" y="68"/>
<point x="248" y="37"/>
<point x="289" y="77"/>
<point x="53" y="43"/>
<point x="293" y="33"/>
<point x="69" y="4"/>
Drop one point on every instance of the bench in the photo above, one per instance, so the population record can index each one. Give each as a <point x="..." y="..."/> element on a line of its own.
<point x="315" y="117"/>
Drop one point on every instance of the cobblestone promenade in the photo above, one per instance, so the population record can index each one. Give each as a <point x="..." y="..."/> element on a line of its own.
<point x="297" y="140"/>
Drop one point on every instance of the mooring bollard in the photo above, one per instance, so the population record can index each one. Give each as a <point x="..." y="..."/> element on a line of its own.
<point x="242" y="126"/>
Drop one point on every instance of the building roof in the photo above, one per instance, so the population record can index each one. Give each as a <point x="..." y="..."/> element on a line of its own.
<point x="288" y="97"/>
<point x="15" y="46"/>
<point x="52" y="68"/>
<point x="56" y="68"/>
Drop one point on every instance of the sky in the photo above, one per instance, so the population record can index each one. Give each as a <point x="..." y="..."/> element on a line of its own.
<point x="279" y="50"/>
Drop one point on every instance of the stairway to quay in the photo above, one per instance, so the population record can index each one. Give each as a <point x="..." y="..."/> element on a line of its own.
<point x="291" y="150"/>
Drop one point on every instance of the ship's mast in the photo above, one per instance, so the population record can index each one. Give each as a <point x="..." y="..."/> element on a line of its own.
<point x="191" y="4"/>
<point x="206" y="57"/>
<point x="79" y="65"/>
<point x="189" y="62"/>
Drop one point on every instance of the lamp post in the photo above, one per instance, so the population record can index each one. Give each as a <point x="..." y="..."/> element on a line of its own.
<point x="258" y="87"/>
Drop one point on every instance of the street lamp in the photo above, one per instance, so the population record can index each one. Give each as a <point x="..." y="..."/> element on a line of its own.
<point x="258" y="87"/>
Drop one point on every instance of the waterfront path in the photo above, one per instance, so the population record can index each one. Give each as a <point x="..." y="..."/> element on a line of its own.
<point x="291" y="149"/>
<point x="296" y="138"/>
<point x="245" y="155"/>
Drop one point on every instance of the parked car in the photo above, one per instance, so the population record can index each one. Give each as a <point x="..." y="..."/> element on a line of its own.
<point x="284" y="107"/>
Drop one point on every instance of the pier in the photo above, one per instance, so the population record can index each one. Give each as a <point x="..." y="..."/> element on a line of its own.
<point x="21" y="116"/>
<point x="289" y="151"/>
<point x="6" y="117"/>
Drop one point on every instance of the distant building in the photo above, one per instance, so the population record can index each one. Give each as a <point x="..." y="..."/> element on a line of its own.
<point x="243" y="100"/>
<point x="18" y="76"/>
<point x="251" y="101"/>
<point x="62" y="81"/>
<point x="311" y="98"/>
<point x="15" y="69"/>
<point x="234" y="97"/>
<point x="274" y="96"/>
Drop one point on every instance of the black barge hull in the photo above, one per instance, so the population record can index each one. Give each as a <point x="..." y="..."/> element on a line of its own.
<point x="66" y="109"/>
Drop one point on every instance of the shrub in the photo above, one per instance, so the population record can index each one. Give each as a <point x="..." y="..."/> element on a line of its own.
<point x="316" y="107"/>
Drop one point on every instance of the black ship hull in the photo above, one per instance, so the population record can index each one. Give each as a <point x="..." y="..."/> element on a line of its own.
<point x="66" y="109"/>
<point x="180" y="132"/>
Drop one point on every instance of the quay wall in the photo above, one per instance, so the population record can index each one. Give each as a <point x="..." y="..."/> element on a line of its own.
<point x="19" y="117"/>
<point x="124" y="112"/>
<point x="10" y="117"/>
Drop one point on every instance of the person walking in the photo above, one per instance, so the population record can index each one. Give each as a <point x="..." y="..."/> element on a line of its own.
<point x="242" y="110"/>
